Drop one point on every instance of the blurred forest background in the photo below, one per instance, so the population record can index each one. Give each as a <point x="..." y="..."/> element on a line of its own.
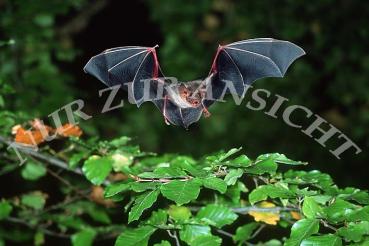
<point x="45" y="44"/>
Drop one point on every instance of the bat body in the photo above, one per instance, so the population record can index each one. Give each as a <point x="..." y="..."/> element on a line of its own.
<point x="234" y="67"/>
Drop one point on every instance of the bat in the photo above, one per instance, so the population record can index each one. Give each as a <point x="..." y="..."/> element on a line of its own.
<point x="234" y="67"/>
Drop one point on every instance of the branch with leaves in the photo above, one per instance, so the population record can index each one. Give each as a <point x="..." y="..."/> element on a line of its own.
<point x="193" y="201"/>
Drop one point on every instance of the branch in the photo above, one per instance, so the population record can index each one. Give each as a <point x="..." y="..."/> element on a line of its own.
<point x="81" y="20"/>
<point x="245" y="210"/>
<point x="44" y="230"/>
<point x="40" y="156"/>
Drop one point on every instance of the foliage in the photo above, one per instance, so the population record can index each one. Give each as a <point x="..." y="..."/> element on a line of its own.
<point x="139" y="198"/>
<point x="85" y="191"/>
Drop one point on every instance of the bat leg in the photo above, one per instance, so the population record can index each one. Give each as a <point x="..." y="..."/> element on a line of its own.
<point x="205" y="111"/>
<point x="164" y="111"/>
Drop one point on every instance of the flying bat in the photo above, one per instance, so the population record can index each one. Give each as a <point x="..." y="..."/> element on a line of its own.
<point x="234" y="67"/>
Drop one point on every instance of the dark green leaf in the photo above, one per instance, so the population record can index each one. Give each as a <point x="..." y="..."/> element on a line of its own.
<point x="338" y="210"/>
<point x="262" y="192"/>
<point x="354" y="231"/>
<point x="33" y="171"/>
<point x="163" y="243"/>
<point x="181" y="192"/>
<point x="243" y="233"/>
<point x="190" y="232"/>
<point x="159" y="217"/>
<point x="325" y="240"/>
<point x="232" y="177"/>
<point x="135" y="237"/>
<point x="143" y="186"/>
<point x="216" y="215"/>
<point x="206" y="240"/>
<point x="302" y="229"/>
<point x="35" y="200"/>
<point x="84" y="238"/>
<point x="310" y="207"/>
<point x="215" y="184"/>
<point x="115" y="188"/>
<point x="241" y="161"/>
<point x="5" y="209"/>
<point x="142" y="202"/>
<point x="262" y="166"/>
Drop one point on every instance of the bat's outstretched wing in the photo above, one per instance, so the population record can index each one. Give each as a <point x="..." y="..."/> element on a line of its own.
<point x="243" y="62"/>
<point x="130" y="67"/>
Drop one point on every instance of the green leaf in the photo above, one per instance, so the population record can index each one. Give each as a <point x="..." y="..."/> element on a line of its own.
<point x="310" y="207"/>
<point x="354" y="231"/>
<point x="97" y="169"/>
<point x="39" y="238"/>
<point x="143" y="186"/>
<point x="142" y="202"/>
<point x="354" y="194"/>
<point x="121" y="160"/>
<point x="169" y="172"/>
<point x="232" y="176"/>
<point x="135" y="237"/>
<point x="190" y="232"/>
<point x="119" y="142"/>
<point x="84" y="238"/>
<point x="240" y="161"/>
<point x="115" y="188"/>
<point x="263" y="165"/>
<point x="217" y="215"/>
<point x="35" y="200"/>
<point x="33" y="171"/>
<point x="5" y="209"/>
<point x="302" y="229"/>
<point x="181" y="192"/>
<point x="95" y="211"/>
<point x="179" y="213"/>
<point x="358" y="215"/>
<point x="222" y="156"/>
<point x="243" y="233"/>
<point x="188" y="164"/>
<point x="159" y="217"/>
<point x="206" y="240"/>
<point x="76" y="158"/>
<point x="339" y="210"/>
<point x="262" y="192"/>
<point x="44" y="20"/>
<point x="325" y="240"/>
<point x="215" y="184"/>
<point x="280" y="158"/>
<point x="163" y="243"/>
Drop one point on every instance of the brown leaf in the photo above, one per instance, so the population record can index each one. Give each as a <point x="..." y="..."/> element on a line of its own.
<point x="97" y="195"/>
<point x="69" y="130"/>
<point x="28" y="137"/>
<point x="296" y="215"/>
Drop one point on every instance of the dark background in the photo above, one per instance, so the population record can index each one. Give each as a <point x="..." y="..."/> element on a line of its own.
<point x="54" y="39"/>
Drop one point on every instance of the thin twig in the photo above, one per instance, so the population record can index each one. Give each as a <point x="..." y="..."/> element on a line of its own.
<point x="40" y="156"/>
<point x="44" y="230"/>
<point x="225" y="233"/>
<point x="67" y="183"/>
<point x="175" y="236"/>
<point x="257" y="232"/>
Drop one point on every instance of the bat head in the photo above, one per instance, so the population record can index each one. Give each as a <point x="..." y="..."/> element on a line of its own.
<point x="192" y="92"/>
